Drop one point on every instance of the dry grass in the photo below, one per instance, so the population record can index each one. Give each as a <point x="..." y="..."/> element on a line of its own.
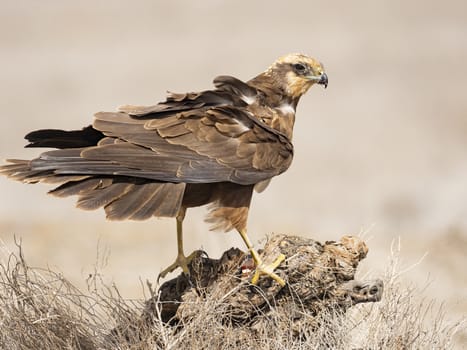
<point x="40" y="309"/>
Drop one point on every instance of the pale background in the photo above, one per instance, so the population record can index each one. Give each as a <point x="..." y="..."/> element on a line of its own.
<point x="383" y="150"/>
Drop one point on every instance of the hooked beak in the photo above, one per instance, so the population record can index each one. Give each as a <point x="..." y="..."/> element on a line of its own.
<point x="323" y="80"/>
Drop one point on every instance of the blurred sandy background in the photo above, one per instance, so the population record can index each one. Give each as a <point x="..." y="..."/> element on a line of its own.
<point x="383" y="150"/>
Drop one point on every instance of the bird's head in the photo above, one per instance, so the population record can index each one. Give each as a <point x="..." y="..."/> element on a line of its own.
<point x="297" y="73"/>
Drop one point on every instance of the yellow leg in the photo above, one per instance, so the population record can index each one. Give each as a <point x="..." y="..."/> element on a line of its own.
<point x="181" y="261"/>
<point x="261" y="268"/>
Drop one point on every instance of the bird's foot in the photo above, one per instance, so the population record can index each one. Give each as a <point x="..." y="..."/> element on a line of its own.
<point x="263" y="269"/>
<point x="181" y="261"/>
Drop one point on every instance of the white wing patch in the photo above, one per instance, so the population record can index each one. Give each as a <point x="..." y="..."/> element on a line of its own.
<point x="242" y="127"/>
<point x="248" y="99"/>
<point x="287" y="109"/>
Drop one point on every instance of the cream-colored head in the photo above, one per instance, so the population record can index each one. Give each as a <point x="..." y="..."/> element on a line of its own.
<point x="298" y="73"/>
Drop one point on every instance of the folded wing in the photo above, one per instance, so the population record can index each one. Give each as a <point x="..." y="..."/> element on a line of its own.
<point x="198" y="146"/>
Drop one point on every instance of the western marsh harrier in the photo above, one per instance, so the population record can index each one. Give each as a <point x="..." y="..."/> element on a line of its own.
<point x="211" y="147"/>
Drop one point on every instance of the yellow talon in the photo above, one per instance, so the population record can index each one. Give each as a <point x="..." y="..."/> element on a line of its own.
<point x="261" y="268"/>
<point x="181" y="261"/>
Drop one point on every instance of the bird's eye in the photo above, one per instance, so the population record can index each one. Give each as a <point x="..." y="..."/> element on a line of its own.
<point x="299" y="68"/>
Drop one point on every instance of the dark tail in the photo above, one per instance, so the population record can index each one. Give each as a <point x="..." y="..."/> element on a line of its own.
<point x="55" y="138"/>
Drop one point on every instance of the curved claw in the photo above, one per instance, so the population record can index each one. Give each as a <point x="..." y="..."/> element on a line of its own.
<point x="181" y="261"/>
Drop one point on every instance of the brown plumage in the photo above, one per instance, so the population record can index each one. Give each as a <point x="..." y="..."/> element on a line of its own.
<point x="212" y="147"/>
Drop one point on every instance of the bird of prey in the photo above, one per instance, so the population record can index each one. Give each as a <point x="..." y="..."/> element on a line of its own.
<point x="210" y="147"/>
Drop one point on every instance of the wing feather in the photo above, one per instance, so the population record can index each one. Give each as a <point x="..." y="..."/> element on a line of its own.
<point x="204" y="145"/>
<point x="129" y="203"/>
<point x="207" y="137"/>
<point x="97" y="198"/>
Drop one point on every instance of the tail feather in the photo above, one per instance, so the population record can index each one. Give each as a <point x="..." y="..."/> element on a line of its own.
<point x="55" y="138"/>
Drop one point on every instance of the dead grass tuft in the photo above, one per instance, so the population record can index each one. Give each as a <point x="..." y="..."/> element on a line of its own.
<point x="40" y="309"/>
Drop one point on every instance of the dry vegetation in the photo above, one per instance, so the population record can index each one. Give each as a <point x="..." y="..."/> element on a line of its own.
<point x="40" y="309"/>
